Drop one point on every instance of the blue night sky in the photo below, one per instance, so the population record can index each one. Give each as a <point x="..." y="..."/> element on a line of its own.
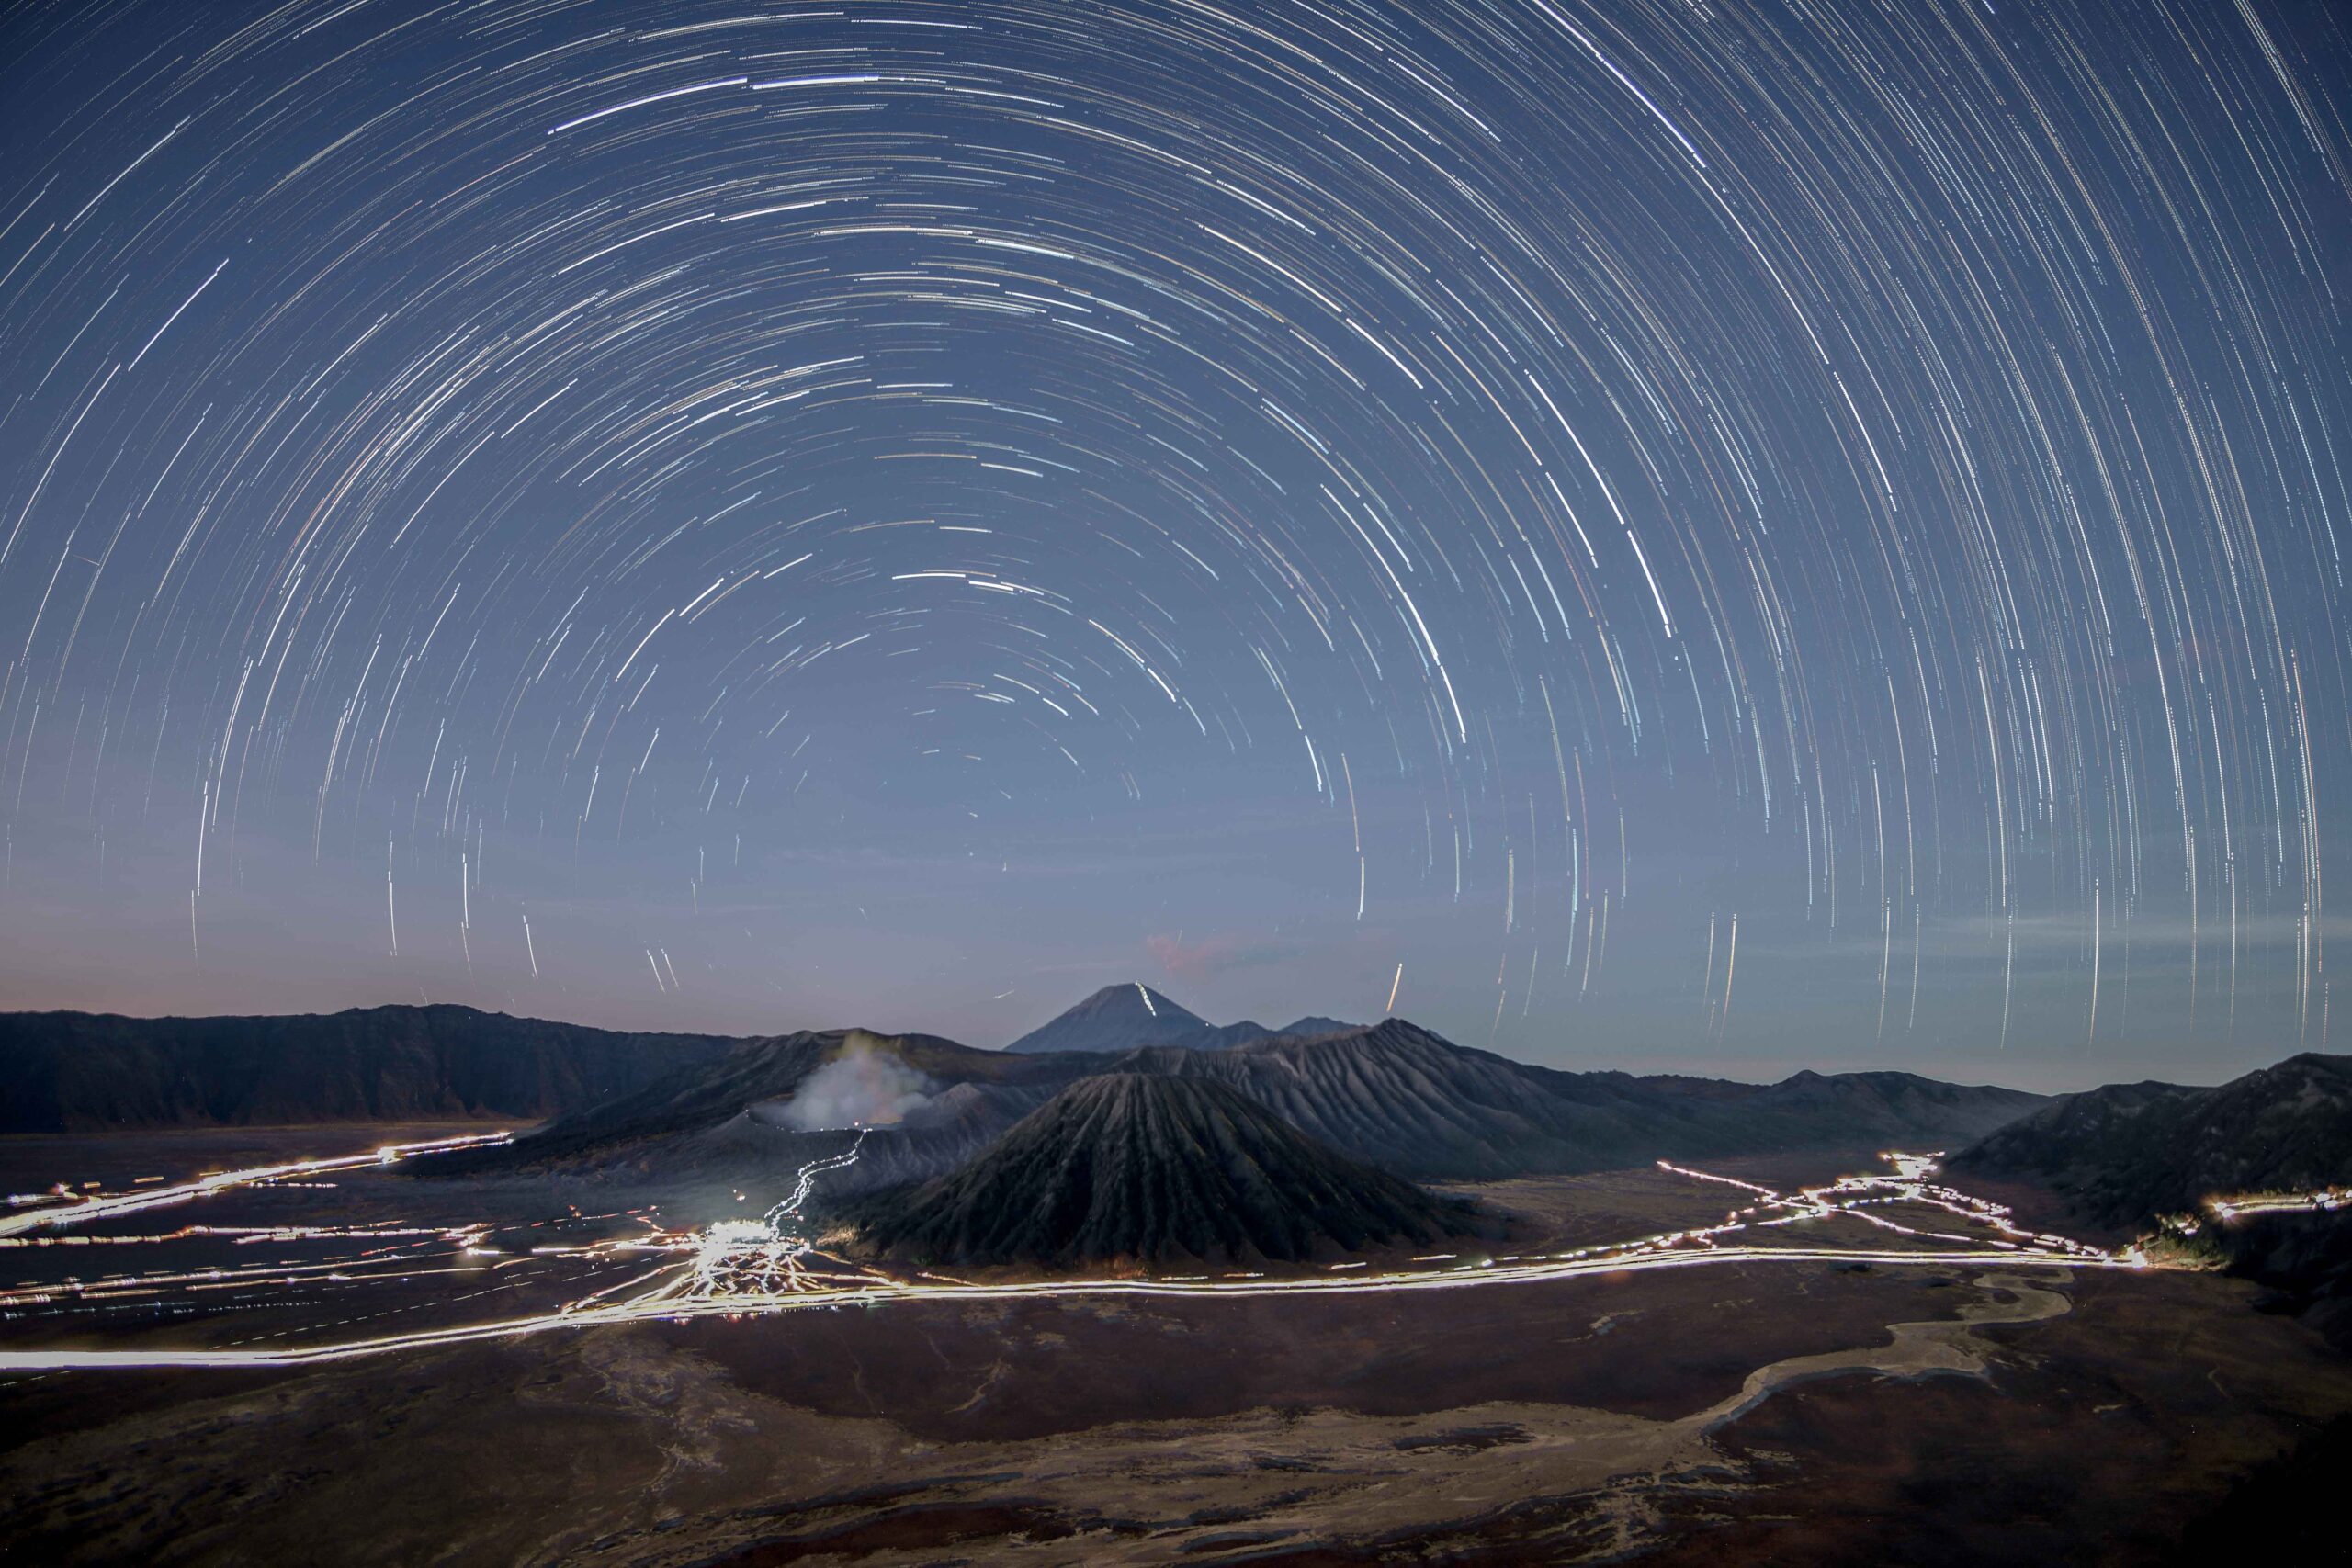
<point x="1726" y="535"/>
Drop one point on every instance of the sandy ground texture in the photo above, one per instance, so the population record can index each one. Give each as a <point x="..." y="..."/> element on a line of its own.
<point x="1760" y="1413"/>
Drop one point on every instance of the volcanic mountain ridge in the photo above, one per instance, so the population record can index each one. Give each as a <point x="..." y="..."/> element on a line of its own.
<point x="1393" y="1095"/>
<point x="1142" y="1167"/>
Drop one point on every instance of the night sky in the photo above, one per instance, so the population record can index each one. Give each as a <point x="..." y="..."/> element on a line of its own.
<point x="1723" y="534"/>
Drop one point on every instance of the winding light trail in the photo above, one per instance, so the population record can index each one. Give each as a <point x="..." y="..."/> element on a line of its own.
<point x="2325" y="1200"/>
<point x="2322" y="1201"/>
<point x="744" y="1268"/>
<point x="678" y="1308"/>
<point x="86" y="1208"/>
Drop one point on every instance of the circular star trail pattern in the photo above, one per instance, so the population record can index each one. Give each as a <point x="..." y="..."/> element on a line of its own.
<point x="1636" y="529"/>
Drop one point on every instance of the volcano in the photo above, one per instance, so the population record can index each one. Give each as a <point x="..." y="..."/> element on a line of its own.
<point x="1116" y="1018"/>
<point x="1415" y="1103"/>
<point x="1152" y="1168"/>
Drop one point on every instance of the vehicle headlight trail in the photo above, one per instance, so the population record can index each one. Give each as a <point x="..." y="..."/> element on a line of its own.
<point x="737" y="1268"/>
<point x="80" y="1210"/>
<point x="2253" y="1205"/>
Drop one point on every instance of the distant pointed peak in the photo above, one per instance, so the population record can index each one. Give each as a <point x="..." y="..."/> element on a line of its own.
<point x="1117" y="1017"/>
<point x="1122" y="992"/>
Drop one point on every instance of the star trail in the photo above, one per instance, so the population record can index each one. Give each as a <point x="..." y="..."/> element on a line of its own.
<point x="1653" y="533"/>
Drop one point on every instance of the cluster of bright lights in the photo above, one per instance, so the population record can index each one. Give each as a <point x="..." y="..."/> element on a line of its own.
<point x="78" y="1209"/>
<point x="1858" y="1195"/>
<point x="2325" y="1201"/>
<point x="758" y="1260"/>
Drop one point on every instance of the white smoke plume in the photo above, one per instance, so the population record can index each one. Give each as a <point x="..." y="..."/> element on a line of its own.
<point x="859" y="1088"/>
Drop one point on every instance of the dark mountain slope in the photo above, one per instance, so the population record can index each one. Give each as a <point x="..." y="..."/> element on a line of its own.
<point x="1873" y="1105"/>
<point x="2126" y="1153"/>
<point x="706" y="1118"/>
<point x="1116" y="1018"/>
<point x="75" y="1071"/>
<point x="1129" y="1165"/>
<point x="1395" y="1096"/>
<point x="1413" y="1103"/>
<point x="1248" y="1031"/>
<point x="1224" y="1037"/>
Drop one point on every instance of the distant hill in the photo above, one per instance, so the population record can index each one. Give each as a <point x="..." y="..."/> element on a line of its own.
<point x="2126" y="1153"/>
<point x="1133" y="1017"/>
<point x="1135" y="1165"/>
<point x="1415" y="1103"/>
<point x="1248" y="1031"/>
<point x="77" y="1071"/>
<point x="1224" y="1036"/>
